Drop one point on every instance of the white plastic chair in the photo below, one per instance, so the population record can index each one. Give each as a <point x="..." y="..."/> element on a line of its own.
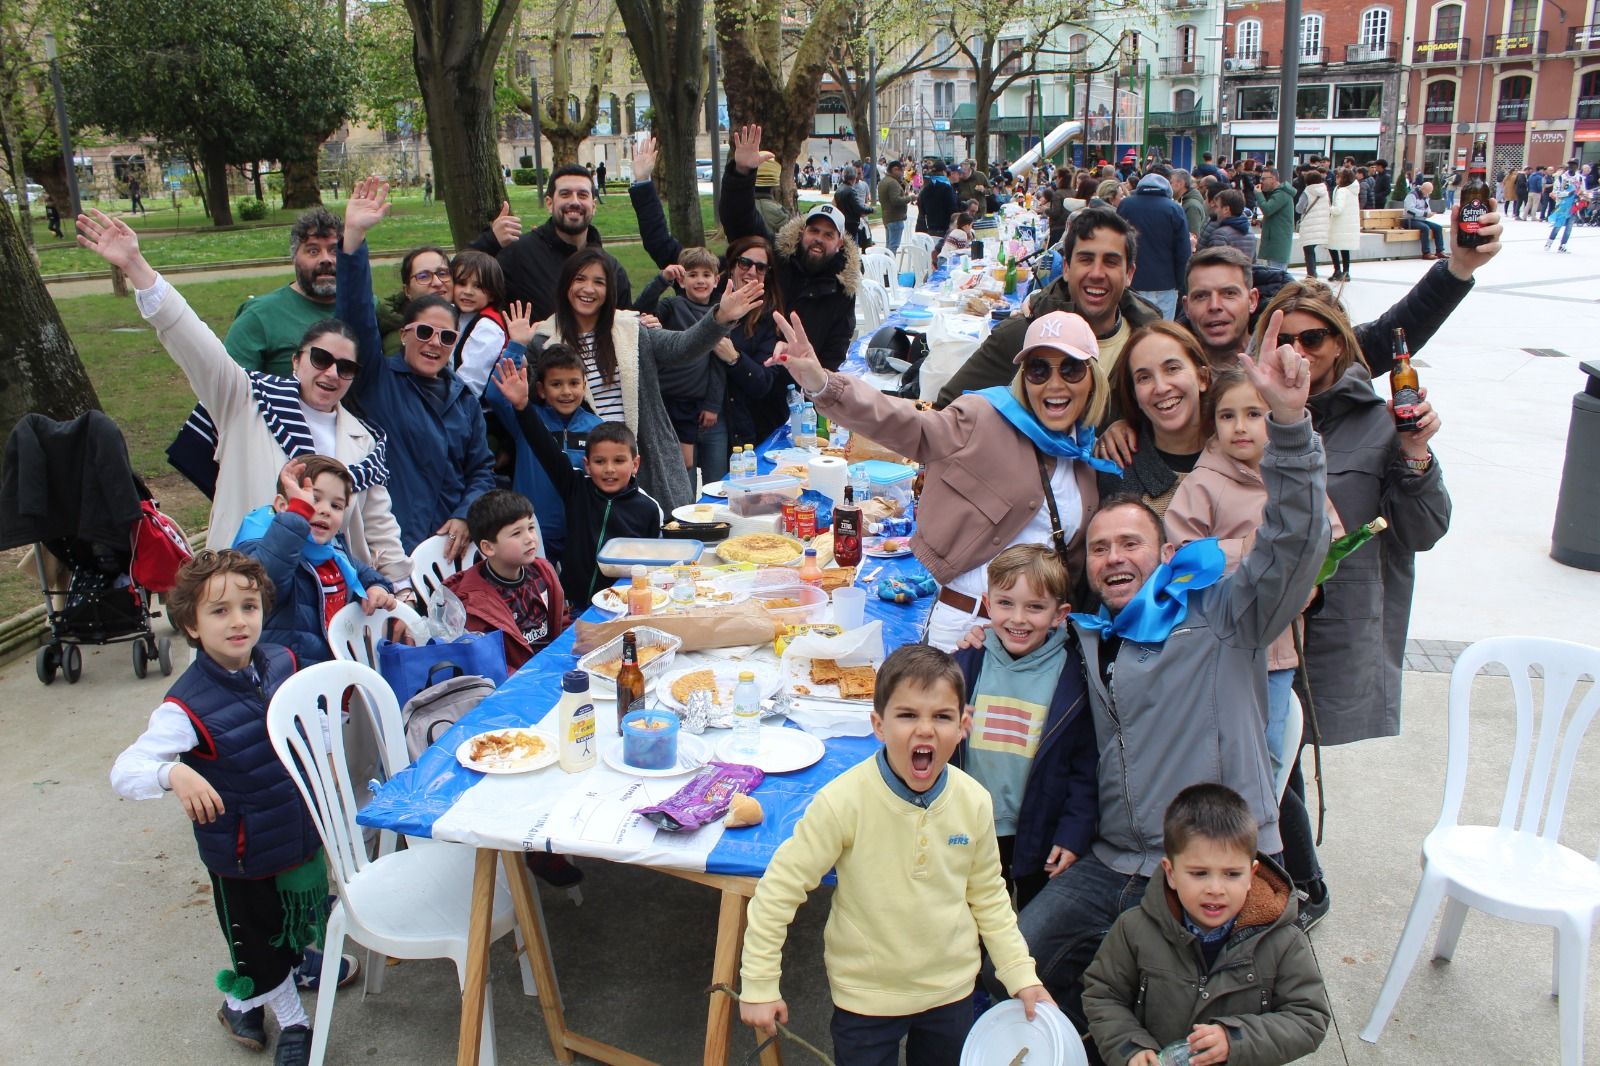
<point x="430" y="568"/>
<point x="412" y="904"/>
<point x="353" y="634"/>
<point x="916" y="256"/>
<point x="880" y="267"/>
<point x="1517" y="868"/>
<point x="1294" y="728"/>
<point x="872" y="307"/>
<point x="926" y="241"/>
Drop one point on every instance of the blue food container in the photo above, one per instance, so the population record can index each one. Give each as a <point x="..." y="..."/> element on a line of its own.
<point x="650" y="739"/>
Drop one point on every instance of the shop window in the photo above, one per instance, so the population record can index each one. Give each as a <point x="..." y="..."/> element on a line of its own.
<point x="1358" y="101"/>
<point x="1257" y="103"/>
<point x="1311" y="101"/>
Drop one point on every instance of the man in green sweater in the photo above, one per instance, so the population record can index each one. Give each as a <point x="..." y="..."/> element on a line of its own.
<point x="893" y="196"/>
<point x="267" y="330"/>
<point x="1277" y="221"/>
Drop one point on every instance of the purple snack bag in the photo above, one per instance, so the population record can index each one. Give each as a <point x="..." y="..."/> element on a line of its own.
<point x="705" y="798"/>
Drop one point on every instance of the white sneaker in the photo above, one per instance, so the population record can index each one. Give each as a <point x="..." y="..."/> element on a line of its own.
<point x="1548" y="243"/>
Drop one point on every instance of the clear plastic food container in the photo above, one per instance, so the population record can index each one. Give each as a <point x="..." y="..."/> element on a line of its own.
<point x="621" y="554"/>
<point x="656" y="648"/>
<point x="809" y="604"/>
<point x="888" y="480"/>
<point x="761" y="495"/>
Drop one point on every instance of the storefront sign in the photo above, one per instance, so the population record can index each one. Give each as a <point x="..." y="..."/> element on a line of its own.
<point x="1550" y="137"/>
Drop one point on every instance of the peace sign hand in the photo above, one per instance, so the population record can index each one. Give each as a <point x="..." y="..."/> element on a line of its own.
<point x="795" y="354"/>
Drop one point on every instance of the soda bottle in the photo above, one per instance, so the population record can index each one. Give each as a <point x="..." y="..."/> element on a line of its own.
<point x="1403" y="386"/>
<point x="847" y="530"/>
<point x="630" y="680"/>
<point x="1477" y="199"/>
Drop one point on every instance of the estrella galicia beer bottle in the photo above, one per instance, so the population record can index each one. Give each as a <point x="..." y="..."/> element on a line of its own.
<point x="1476" y="198"/>
<point x="1403" y="386"/>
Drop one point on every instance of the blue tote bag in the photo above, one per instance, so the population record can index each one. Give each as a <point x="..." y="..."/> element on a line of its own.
<point x="410" y="669"/>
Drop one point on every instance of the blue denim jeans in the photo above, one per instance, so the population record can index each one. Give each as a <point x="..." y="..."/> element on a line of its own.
<point x="1427" y="228"/>
<point x="1565" y="232"/>
<point x="711" y="451"/>
<point x="1066" y="921"/>
<point x="892" y="232"/>
<point x="1165" y="299"/>
<point x="1280" y="687"/>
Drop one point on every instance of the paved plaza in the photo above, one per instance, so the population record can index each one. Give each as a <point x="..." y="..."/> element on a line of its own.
<point x="112" y="942"/>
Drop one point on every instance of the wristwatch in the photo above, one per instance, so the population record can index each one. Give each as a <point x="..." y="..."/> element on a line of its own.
<point x="1418" y="466"/>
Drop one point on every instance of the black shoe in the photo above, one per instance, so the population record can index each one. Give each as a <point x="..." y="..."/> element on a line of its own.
<point x="1314" y="906"/>
<point x="247" y="1027"/>
<point x="554" y="870"/>
<point x="294" y="1047"/>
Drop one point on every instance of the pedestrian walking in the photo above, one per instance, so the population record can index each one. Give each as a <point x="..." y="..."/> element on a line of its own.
<point x="135" y="200"/>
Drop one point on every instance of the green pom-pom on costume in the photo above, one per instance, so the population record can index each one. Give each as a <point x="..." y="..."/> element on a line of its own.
<point x="232" y="983"/>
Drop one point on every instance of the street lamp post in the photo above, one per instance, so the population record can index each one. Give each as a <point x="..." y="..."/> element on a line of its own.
<point x="63" y="131"/>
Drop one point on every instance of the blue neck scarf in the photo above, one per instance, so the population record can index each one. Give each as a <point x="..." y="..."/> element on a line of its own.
<point x="1163" y="602"/>
<point x="255" y="525"/>
<point x="1079" y="445"/>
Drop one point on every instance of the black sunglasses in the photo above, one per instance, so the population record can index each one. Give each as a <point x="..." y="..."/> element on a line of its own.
<point x="425" y="332"/>
<point x="422" y="277"/>
<point x="752" y="264"/>
<point x="322" y="359"/>
<point x="1037" y="371"/>
<point x="1308" y="338"/>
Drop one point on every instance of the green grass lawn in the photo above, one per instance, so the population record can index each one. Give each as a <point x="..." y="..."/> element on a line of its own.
<point x="410" y="223"/>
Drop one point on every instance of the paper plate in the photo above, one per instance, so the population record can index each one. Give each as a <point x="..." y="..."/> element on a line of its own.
<point x="873" y="547"/>
<point x="615" y="600"/>
<point x="768" y="681"/>
<point x="687" y="513"/>
<point x="783" y="750"/>
<point x="693" y="753"/>
<point x="715" y="489"/>
<point x="509" y="764"/>
<point x="999" y="1037"/>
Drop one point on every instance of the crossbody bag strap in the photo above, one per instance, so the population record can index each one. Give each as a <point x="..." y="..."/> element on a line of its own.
<point x="1058" y="536"/>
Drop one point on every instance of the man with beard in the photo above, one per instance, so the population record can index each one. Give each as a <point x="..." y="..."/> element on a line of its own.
<point x="818" y="266"/>
<point x="267" y="330"/>
<point x="532" y="261"/>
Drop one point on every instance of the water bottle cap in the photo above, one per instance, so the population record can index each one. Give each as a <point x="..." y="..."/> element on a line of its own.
<point x="575" y="681"/>
<point x="744" y="675"/>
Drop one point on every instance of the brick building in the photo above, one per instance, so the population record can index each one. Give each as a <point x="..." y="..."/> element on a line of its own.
<point x="1524" y="72"/>
<point x="1350" y="80"/>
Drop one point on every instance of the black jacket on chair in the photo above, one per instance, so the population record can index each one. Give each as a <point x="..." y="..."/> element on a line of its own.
<point x="67" y="480"/>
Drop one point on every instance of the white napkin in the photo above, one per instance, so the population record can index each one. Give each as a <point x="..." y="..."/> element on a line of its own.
<point x="856" y="647"/>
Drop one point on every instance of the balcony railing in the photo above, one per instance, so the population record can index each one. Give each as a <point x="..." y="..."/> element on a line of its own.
<point x="1512" y="111"/>
<point x="1583" y="38"/>
<point x="1589" y="107"/>
<point x="1313" y="57"/>
<point x="1387" y="52"/>
<point x="1180" y="120"/>
<point x="1176" y="66"/>
<point x="1259" y="60"/>
<point x="1185" y="5"/>
<point x="1442" y="50"/>
<point x="1442" y="113"/>
<point x="1501" y="45"/>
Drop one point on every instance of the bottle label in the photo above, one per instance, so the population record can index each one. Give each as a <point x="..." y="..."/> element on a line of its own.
<point x="1405" y="404"/>
<point x="1471" y="214"/>
<point x="580" y="731"/>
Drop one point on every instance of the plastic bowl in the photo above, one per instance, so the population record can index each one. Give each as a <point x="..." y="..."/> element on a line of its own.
<point x="811" y="605"/>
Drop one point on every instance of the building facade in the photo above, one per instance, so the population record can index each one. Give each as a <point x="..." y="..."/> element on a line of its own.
<point x="1349" y="98"/>
<point x="1523" y="73"/>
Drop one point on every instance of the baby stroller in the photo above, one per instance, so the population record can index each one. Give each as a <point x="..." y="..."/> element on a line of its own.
<point x="101" y="546"/>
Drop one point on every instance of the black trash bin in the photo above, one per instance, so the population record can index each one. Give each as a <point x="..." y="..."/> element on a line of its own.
<point x="1576" y="539"/>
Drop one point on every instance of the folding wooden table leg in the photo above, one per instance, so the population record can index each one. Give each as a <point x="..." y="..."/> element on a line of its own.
<point x="725" y="970"/>
<point x="538" y="948"/>
<point x="475" y="985"/>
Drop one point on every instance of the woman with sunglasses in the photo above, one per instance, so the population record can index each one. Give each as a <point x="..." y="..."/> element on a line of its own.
<point x="261" y="421"/>
<point x="1159" y="385"/>
<point x="438" y="446"/>
<point x="422" y="271"/>
<point x="756" y="403"/>
<point x="1006" y="465"/>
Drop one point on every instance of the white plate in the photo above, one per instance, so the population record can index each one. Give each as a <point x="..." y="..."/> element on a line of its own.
<point x="870" y="546"/>
<point x="686" y="513"/>
<point x="615" y="600"/>
<point x="1004" y="1030"/>
<point x="727" y="673"/>
<point x="782" y="751"/>
<point x="693" y="753"/>
<point x="799" y="667"/>
<point x="547" y="755"/>
<point x="715" y="489"/>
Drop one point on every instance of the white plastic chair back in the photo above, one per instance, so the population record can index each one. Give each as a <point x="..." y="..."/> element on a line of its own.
<point x="1294" y="728"/>
<point x="880" y="267"/>
<point x="430" y="568"/>
<point x="926" y="241"/>
<point x="916" y="257"/>
<point x="872" y="307"/>
<point x="353" y="634"/>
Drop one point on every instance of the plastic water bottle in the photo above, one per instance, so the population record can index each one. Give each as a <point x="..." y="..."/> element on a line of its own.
<point x="808" y="427"/>
<point x="746" y="463"/>
<point x="746" y="716"/>
<point x="795" y="405"/>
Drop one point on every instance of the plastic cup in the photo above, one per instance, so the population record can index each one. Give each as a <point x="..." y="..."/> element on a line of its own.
<point x="908" y="279"/>
<point x="849" y="607"/>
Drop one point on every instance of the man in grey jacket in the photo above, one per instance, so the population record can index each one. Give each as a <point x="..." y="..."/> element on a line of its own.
<point x="1188" y="706"/>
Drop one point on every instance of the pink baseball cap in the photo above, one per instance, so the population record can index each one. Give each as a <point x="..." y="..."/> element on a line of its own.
<point x="1060" y="331"/>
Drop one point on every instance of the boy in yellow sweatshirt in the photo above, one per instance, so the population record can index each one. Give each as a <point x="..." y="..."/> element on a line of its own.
<point x="912" y="841"/>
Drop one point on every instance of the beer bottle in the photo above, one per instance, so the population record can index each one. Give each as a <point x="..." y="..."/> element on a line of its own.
<point x="1476" y="198"/>
<point x="630" y="680"/>
<point x="1403" y="386"/>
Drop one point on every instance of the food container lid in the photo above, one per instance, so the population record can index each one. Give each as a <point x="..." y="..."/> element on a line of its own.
<point x="641" y="551"/>
<point x="763" y="483"/>
<point x="882" y="472"/>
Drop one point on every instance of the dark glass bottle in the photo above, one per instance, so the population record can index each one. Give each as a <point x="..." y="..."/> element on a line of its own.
<point x="1477" y="199"/>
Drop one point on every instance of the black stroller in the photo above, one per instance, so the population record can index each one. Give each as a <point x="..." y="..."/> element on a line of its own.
<point x="69" y="489"/>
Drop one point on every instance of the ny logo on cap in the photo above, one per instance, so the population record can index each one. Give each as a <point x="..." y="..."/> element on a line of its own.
<point x="1050" y="327"/>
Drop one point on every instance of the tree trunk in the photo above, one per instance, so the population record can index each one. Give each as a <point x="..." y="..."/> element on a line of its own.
<point x="675" y="128"/>
<point x="563" y="144"/>
<point x="50" y="173"/>
<point x="668" y="39"/>
<point x="301" y="184"/>
<point x="255" y="176"/>
<point x="216" y="172"/>
<point x="39" y="368"/>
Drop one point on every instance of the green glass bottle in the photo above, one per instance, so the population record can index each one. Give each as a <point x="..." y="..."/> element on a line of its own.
<point x="1348" y="543"/>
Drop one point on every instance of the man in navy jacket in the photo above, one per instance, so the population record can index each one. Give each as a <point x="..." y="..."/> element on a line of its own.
<point x="1163" y="242"/>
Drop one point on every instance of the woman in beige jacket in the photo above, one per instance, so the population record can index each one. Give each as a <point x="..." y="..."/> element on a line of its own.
<point x="262" y="421"/>
<point x="1006" y="465"/>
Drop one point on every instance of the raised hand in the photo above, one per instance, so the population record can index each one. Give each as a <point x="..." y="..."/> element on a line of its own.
<point x="644" y="159"/>
<point x="114" y="241"/>
<point x="513" y="382"/>
<point x="367" y="206"/>
<point x="747" y="153"/>
<point x="738" y="302"/>
<point x="519" y="322"/>
<point x="1282" y="376"/>
<point x="506" y="227"/>
<point x="673" y="274"/>
<point x="293" y="484"/>
<point x="795" y="354"/>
